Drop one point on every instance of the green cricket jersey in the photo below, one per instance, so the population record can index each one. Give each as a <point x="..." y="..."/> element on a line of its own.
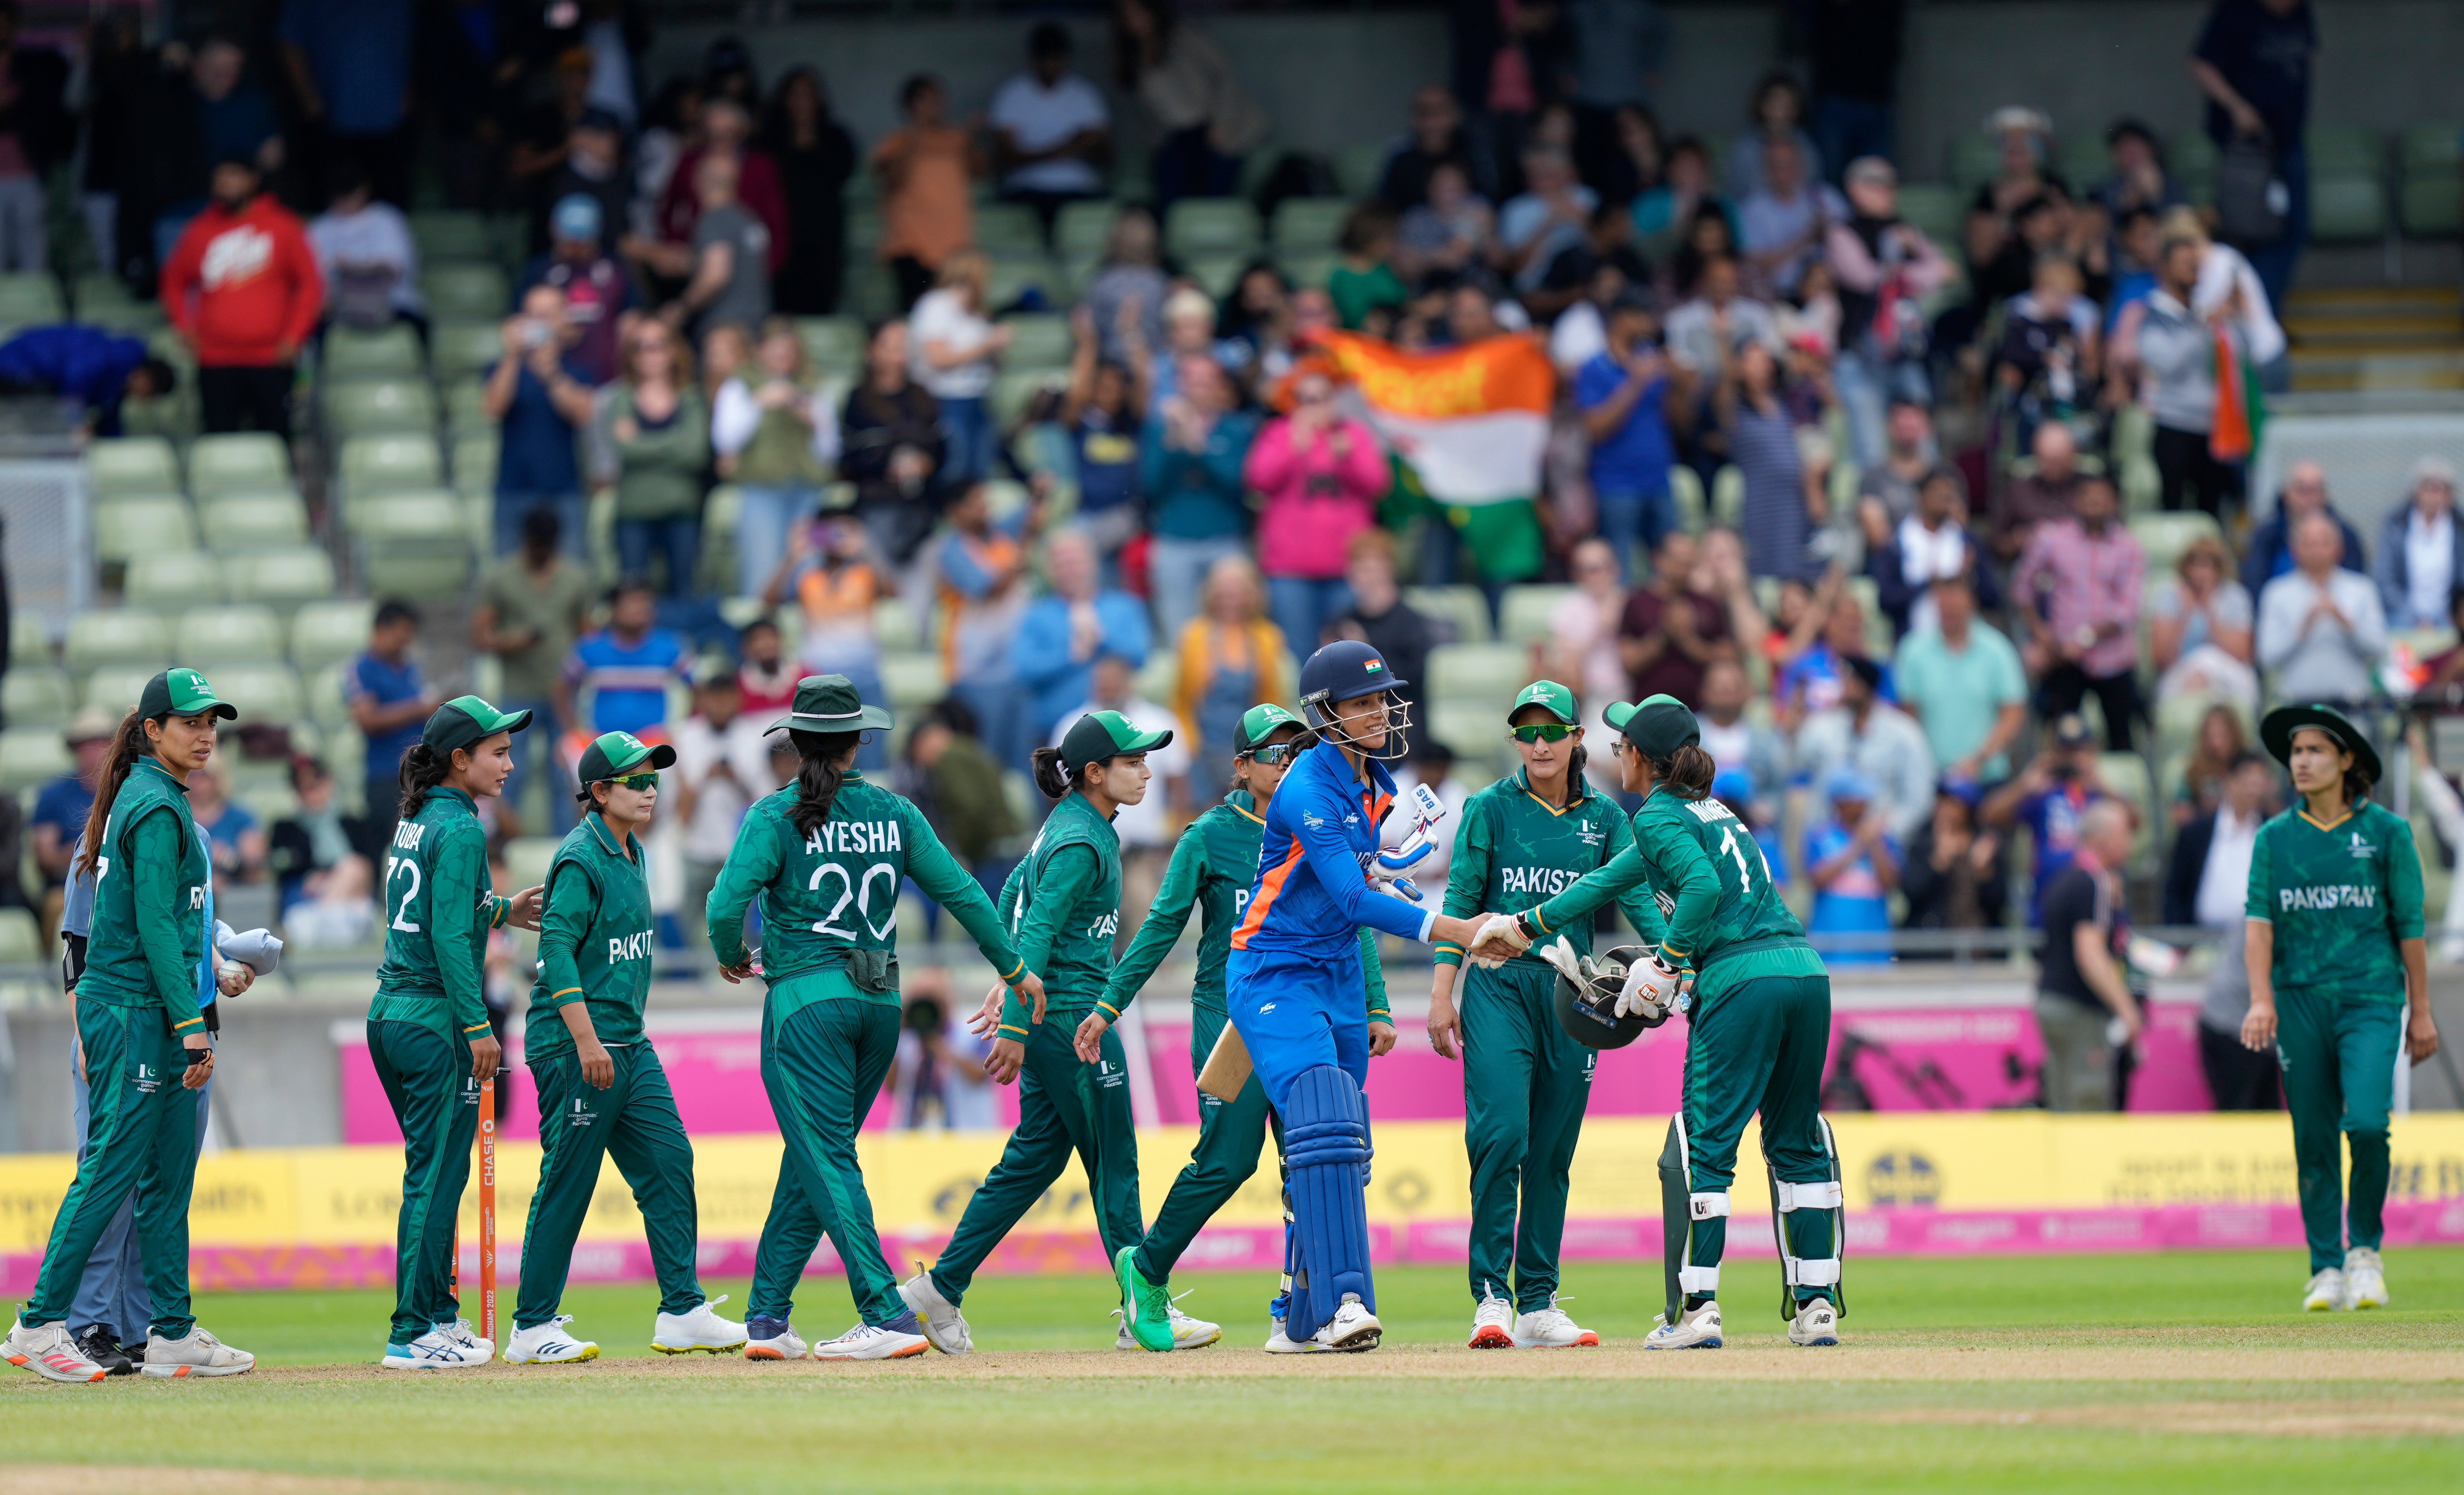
<point x="1214" y="866"/>
<point x="2341" y="896"/>
<point x="438" y="907"/>
<point x="149" y="893"/>
<point x="833" y="893"/>
<point x="1722" y="917"/>
<point x="1063" y="906"/>
<point x="1513" y="846"/>
<point x="594" y="943"/>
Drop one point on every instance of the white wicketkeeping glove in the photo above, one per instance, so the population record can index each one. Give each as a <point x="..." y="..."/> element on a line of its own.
<point x="1650" y="987"/>
<point x="1574" y="968"/>
<point x="1497" y="942"/>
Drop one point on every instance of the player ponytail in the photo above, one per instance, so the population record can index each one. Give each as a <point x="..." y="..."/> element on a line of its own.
<point x="2356" y="785"/>
<point x="128" y="744"/>
<point x="422" y="769"/>
<point x="1686" y="773"/>
<point x="1051" y="775"/>
<point x="819" y="778"/>
<point x="1577" y="762"/>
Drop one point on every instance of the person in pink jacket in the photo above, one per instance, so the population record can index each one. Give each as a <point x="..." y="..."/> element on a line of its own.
<point x="1318" y="474"/>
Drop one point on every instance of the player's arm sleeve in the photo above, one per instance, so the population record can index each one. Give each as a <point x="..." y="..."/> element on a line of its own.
<point x="564" y="923"/>
<point x="154" y="889"/>
<point x="1166" y="917"/>
<point x="1373" y="977"/>
<point x="1623" y="872"/>
<point x="2259" y="903"/>
<point x="457" y="922"/>
<point x="948" y="884"/>
<point x="1641" y="909"/>
<point x="1466" y="873"/>
<point x="1694" y="880"/>
<point x="2404" y="883"/>
<point x="750" y="865"/>
<point x="1328" y="857"/>
<point x="1066" y="876"/>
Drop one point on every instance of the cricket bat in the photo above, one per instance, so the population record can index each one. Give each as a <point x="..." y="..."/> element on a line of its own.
<point x="1227" y="1067"/>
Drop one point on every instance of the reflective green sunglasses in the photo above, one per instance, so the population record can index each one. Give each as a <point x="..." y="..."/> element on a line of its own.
<point x="1273" y="753"/>
<point x="648" y="781"/>
<point x="1543" y="731"/>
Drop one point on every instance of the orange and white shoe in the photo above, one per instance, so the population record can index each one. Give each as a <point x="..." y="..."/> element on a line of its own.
<point x="1551" y="1328"/>
<point x="902" y="1338"/>
<point x="49" y="1352"/>
<point x="1492" y="1322"/>
<point x="773" y="1339"/>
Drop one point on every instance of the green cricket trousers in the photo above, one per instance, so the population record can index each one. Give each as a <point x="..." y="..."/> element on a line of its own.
<point x="822" y="1065"/>
<point x="142" y="1134"/>
<point x="1064" y="1106"/>
<point x="427" y="1076"/>
<point x="633" y="1121"/>
<point x="1525" y="1083"/>
<point x="1231" y="1137"/>
<point x="2339" y="1060"/>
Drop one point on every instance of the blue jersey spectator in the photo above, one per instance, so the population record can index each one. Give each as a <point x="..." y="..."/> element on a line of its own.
<point x="540" y="396"/>
<point x="626" y="667"/>
<point x="61" y="808"/>
<point x="1621" y="393"/>
<point x="389" y="704"/>
<point x="96" y="368"/>
<point x="2050" y="797"/>
<point x="1062" y="631"/>
<point x="1852" y="860"/>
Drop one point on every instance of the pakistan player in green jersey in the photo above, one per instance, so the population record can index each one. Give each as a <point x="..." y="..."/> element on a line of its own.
<point x="827" y="857"/>
<point x="1525" y="1081"/>
<point x="1063" y="906"/>
<point x="1214" y="865"/>
<point x="2336" y="957"/>
<point x="1758" y="1026"/>
<point x="428" y="1025"/>
<point x="146" y="1051"/>
<point x="602" y="1092"/>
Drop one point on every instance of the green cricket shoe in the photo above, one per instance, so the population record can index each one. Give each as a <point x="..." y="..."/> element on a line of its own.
<point x="1146" y="1307"/>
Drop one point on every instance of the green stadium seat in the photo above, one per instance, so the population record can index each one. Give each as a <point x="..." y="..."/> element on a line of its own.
<point x="862" y="231"/>
<point x="2192" y="157"/>
<point x="895" y="631"/>
<point x="1729" y="498"/>
<point x="116" y="688"/>
<point x="1038" y="340"/>
<point x="413" y="544"/>
<point x="480" y="523"/>
<point x="1308" y="269"/>
<point x="531" y="857"/>
<point x="1201" y="225"/>
<point x="329" y="632"/>
<point x="912" y="680"/>
<point x="464" y="289"/>
<point x="474" y="462"/>
<point x="450" y="235"/>
<point x="1685" y="492"/>
<point x="29" y="758"/>
<point x="465" y="408"/>
<point x="1475" y="730"/>
<point x="2430" y="186"/>
<point x="1523" y="616"/>
<point x="355" y="353"/>
<point x="101" y="291"/>
<point x="211" y="635"/>
<point x="125" y="528"/>
<point x="284" y="580"/>
<point x="383" y="463"/>
<point x="328" y="698"/>
<point x="21" y="940"/>
<point x="246" y="460"/>
<point x="366" y="405"/>
<point x="1357" y="170"/>
<point x="269" y="691"/>
<point x="1014" y="390"/>
<point x="1081" y="229"/>
<point x="1013" y="279"/>
<point x="173" y="581"/>
<point x="1216" y="274"/>
<point x="30" y="300"/>
<point x="2126" y="779"/>
<point x="1008" y="230"/>
<point x="246" y="523"/>
<point x="132" y="465"/>
<point x="834" y="344"/>
<point x="1462" y="608"/>
<point x="2347" y="206"/>
<point x="1309" y="223"/>
<point x="2163" y="537"/>
<point x="1490" y="673"/>
<point x="460" y="348"/>
<point x="2083" y="160"/>
<point x="1937" y="210"/>
<point x="40" y="697"/>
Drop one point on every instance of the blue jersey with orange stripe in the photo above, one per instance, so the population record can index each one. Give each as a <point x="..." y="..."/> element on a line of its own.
<point x="1313" y="893"/>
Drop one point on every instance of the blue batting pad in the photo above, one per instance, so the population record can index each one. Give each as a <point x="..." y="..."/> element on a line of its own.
<point x="1325" y="1146"/>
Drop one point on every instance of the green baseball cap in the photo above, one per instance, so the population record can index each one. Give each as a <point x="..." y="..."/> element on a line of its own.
<point x="465" y="720"/>
<point x="1259" y="722"/>
<point x="1658" y="724"/>
<point x="1551" y="697"/>
<point x="612" y="755"/>
<point x="182" y="693"/>
<point x="1101" y="734"/>
<point x="2277" y="728"/>
<point x="829" y="703"/>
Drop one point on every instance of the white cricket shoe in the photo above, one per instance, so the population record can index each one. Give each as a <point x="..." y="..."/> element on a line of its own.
<point x="1551" y="1328"/>
<point x="1695" y="1329"/>
<point x="435" y="1350"/>
<point x="462" y="1333"/>
<point x="893" y="1341"/>
<point x="783" y="1345"/>
<point x="1353" y="1329"/>
<point x="198" y="1353"/>
<point x="1492" y="1323"/>
<point x="2364" y="1279"/>
<point x="1281" y="1343"/>
<point x="1187" y="1332"/>
<point x="943" y="1324"/>
<point x="548" y="1343"/>
<point x="1817" y="1323"/>
<point x="2327" y="1293"/>
<point x="701" y="1331"/>
<point x="50" y="1354"/>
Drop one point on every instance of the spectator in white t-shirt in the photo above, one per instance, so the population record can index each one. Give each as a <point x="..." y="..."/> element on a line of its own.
<point x="364" y="250"/>
<point x="956" y="350"/>
<point x="722" y="766"/>
<point x="1052" y="133"/>
<point x="1549" y="218"/>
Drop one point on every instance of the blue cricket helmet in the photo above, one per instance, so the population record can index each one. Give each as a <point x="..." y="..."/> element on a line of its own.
<point x="1347" y="669"/>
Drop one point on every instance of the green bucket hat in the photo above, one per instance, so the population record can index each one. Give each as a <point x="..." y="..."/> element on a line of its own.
<point x="829" y="703"/>
<point x="464" y="721"/>
<point x="1102" y="735"/>
<point x="1259" y="722"/>
<point x="1551" y="697"/>
<point x="1659" y="725"/>
<point x="612" y="755"/>
<point x="2277" y="729"/>
<point x="182" y="693"/>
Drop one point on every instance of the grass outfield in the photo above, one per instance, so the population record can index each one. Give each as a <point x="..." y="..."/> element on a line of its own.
<point x="2182" y="1372"/>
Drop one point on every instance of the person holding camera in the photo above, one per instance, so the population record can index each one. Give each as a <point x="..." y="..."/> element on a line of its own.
<point x="539" y="396"/>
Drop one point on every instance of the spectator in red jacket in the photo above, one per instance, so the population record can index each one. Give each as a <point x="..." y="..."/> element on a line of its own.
<point x="242" y="290"/>
<point x="726" y="127"/>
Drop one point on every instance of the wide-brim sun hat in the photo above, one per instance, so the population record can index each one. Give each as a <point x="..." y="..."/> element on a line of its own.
<point x="829" y="703"/>
<point x="2277" y="731"/>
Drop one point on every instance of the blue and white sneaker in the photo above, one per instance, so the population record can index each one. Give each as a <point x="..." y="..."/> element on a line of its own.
<point x="435" y="1350"/>
<point x="1695" y="1329"/>
<point x="548" y="1343"/>
<point x="1817" y="1323"/>
<point x="772" y="1339"/>
<point x="462" y="1333"/>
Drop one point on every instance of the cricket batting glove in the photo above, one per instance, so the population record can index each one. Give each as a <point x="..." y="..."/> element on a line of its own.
<point x="1650" y="988"/>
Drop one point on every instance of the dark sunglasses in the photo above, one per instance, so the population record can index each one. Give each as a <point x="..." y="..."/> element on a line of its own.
<point x="649" y="781"/>
<point x="1543" y="731"/>
<point x="1272" y="753"/>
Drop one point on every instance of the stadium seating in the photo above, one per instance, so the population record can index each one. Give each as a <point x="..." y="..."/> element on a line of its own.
<point x="446" y="236"/>
<point x="412" y="544"/>
<point x="264" y="692"/>
<point x="1523" y="617"/>
<point x="173" y="581"/>
<point x="242" y="634"/>
<point x="29" y="299"/>
<point x="31" y="756"/>
<point x="127" y="527"/>
<point x="2429" y="190"/>
<point x="251" y="460"/>
<point x="284" y="580"/>
<point x="380" y="463"/>
<point x="240" y="523"/>
<point x="834" y="344"/>
<point x="2348" y="199"/>
<point x="1008" y="231"/>
<point x="1038" y="341"/>
<point x="365" y="407"/>
<point x="132" y="465"/>
<point x="458" y="348"/>
<point x="1082" y="228"/>
<point x="1196" y="227"/>
<point x="465" y="290"/>
<point x="116" y="688"/>
<point x="36" y="697"/>
<point x="354" y="353"/>
<point x="1308" y="223"/>
<point x="1462" y="609"/>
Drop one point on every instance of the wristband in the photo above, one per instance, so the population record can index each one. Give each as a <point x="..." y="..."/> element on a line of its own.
<point x="1527" y="927"/>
